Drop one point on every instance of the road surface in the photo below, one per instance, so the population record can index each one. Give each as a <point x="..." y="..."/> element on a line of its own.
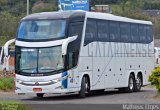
<point x="146" y="96"/>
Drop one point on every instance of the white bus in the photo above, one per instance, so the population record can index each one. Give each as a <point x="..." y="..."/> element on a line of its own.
<point x="78" y="51"/>
<point x="157" y="56"/>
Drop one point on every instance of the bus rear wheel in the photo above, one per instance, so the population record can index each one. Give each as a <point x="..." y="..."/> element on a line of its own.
<point x="131" y="84"/>
<point x="40" y="95"/>
<point x="84" y="87"/>
<point x="138" y="83"/>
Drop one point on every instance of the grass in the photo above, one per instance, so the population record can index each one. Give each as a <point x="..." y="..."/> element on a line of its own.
<point x="6" y="84"/>
<point x="12" y="105"/>
<point x="150" y="86"/>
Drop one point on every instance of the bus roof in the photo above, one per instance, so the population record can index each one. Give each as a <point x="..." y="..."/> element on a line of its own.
<point x="55" y="15"/>
<point x="112" y="17"/>
<point x="79" y="13"/>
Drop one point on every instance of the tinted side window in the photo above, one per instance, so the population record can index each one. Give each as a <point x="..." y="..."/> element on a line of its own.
<point x="75" y="29"/>
<point x="125" y="32"/>
<point x="114" y="31"/>
<point x="103" y="32"/>
<point x="134" y="33"/>
<point x="149" y="36"/>
<point x="142" y="34"/>
<point x="91" y="31"/>
<point x="72" y="56"/>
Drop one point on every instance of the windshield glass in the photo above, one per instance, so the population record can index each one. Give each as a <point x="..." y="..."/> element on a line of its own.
<point x="41" y="29"/>
<point x="39" y="60"/>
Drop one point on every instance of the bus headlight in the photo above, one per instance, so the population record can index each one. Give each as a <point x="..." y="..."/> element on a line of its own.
<point x="18" y="80"/>
<point x="59" y="79"/>
<point x="55" y="80"/>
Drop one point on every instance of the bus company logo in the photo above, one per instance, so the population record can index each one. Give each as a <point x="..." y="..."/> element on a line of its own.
<point x="36" y="83"/>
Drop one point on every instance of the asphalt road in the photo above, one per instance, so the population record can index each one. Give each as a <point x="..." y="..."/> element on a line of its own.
<point x="146" y="96"/>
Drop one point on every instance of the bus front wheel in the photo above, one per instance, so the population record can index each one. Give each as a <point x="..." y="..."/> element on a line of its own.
<point x="84" y="87"/>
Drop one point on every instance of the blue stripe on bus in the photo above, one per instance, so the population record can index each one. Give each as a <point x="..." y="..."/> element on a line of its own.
<point x="65" y="81"/>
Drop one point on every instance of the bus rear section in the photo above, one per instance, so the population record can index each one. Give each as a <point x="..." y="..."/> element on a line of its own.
<point x="117" y="52"/>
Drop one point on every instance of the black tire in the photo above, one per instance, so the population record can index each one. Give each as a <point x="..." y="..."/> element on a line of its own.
<point x="121" y="90"/>
<point x="131" y="84"/>
<point x="138" y="84"/>
<point x="84" y="87"/>
<point x="98" y="91"/>
<point x="40" y="95"/>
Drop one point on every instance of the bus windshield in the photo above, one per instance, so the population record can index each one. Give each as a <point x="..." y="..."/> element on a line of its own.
<point x="41" y="29"/>
<point x="39" y="60"/>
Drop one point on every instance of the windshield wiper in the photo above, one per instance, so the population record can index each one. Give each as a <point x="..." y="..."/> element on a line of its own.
<point x="18" y="71"/>
<point x="48" y="69"/>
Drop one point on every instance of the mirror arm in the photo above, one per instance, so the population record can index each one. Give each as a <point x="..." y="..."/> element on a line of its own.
<point x="66" y="42"/>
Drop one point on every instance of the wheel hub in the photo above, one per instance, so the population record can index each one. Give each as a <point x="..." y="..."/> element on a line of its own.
<point x="139" y="83"/>
<point x="131" y="84"/>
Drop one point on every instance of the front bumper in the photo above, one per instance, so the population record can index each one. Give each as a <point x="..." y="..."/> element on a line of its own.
<point x="54" y="88"/>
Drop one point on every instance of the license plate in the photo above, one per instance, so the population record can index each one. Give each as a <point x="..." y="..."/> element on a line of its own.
<point x="37" y="89"/>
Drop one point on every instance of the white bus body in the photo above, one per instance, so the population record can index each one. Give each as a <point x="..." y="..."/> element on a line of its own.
<point x="109" y="52"/>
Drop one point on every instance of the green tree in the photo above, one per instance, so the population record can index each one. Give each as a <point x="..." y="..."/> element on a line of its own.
<point x="154" y="78"/>
<point x="131" y="9"/>
<point x="43" y="7"/>
<point x="2" y="2"/>
<point x="8" y="25"/>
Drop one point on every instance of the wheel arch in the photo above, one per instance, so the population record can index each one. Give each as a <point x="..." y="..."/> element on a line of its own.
<point x="88" y="75"/>
<point x="133" y="73"/>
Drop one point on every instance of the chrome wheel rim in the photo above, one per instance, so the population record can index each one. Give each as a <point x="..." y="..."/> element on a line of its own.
<point x="86" y="84"/>
<point x="131" y="84"/>
<point x="139" y="83"/>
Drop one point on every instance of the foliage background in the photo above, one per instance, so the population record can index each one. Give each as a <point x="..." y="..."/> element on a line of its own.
<point x="11" y="11"/>
<point x="154" y="78"/>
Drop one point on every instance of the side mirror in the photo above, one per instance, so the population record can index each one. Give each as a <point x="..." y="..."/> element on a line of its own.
<point x="66" y="42"/>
